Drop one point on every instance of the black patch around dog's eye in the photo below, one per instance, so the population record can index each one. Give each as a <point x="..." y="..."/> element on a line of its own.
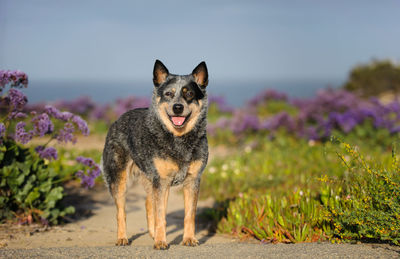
<point x="199" y="94"/>
<point x="189" y="95"/>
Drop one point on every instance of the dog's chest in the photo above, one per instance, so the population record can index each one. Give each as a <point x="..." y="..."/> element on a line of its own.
<point x="171" y="169"/>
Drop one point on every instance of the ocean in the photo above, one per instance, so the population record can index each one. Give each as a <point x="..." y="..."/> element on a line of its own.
<point x="236" y="93"/>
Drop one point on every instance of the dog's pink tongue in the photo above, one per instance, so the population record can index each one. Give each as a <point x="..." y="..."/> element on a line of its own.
<point x="178" y="121"/>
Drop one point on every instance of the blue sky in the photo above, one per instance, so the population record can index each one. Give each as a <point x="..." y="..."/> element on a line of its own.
<point x="119" y="40"/>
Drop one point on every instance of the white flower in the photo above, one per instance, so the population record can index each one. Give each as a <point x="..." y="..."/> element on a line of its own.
<point x="212" y="170"/>
<point x="225" y="167"/>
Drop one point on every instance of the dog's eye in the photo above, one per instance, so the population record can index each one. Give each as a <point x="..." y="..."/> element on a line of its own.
<point x="189" y="95"/>
<point x="169" y="94"/>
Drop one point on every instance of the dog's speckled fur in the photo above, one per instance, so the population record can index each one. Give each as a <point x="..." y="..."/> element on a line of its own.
<point x="146" y="144"/>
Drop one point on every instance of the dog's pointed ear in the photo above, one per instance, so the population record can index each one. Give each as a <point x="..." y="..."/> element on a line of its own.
<point x="160" y="73"/>
<point x="200" y="74"/>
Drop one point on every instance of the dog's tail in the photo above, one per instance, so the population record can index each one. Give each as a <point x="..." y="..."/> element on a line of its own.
<point x="103" y="174"/>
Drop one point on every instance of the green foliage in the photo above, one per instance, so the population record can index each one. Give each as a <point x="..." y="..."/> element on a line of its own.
<point x="280" y="164"/>
<point x="369" y="206"/>
<point x="29" y="188"/>
<point x="268" y="174"/>
<point x="272" y="107"/>
<point x="374" y="78"/>
<point x="295" y="217"/>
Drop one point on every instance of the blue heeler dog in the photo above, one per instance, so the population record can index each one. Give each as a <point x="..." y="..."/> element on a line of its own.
<point x="163" y="145"/>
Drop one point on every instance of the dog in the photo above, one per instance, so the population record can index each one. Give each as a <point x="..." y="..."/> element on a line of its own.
<point x="163" y="146"/>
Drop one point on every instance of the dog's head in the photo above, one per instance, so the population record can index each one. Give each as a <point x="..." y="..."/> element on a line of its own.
<point x="180" y="101"/>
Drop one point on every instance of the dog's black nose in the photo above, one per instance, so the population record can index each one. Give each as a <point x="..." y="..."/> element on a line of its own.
<point x="177" y="108"/>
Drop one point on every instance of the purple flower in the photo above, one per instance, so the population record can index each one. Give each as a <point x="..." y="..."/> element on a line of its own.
<point x="47" y="153"/>
<point x="17" y="99"/>
<point x="16" y="78"/>
<point x="88" y="177"/>
<point x="85" y="161"/>
<point x="66" y="134"/>
<point x="220" y="102"/>
<point x="2" y="132"/>
<point x="17" y="115"/>
<point x="395" y="129"/>
<point x="100" y="112"/>
<point x="82" y="105"/>
<point x="82" y="125"/>
<point x="243" y="121"/>
<point x="21" y="135"/>
<point x="52" y="111"/>
<point x="42" y="125"/>
<point x="266" y="96"/>
<point x="282" y="119"/>
<point x="87" y="181"/>
<point x="129" y="103"/>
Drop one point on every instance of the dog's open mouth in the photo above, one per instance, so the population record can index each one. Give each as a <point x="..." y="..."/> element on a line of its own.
<point x="179" y="121"/>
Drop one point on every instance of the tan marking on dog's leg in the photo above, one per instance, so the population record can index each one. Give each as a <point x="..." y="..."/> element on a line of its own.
<point x="166" y="199"/>
<point x="159" y="204"/>
<point x="194" y="168"/>
<point x="165" y="167"/>
<point x="119" y="198"/>
<point x="149" y="204"/>
<point x="190" y="195"/>
<point x="150" y="214"/>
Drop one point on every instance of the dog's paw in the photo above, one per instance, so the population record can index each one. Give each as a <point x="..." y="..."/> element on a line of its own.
<point x="122" y="242"/>
<point x="160" y="245"/>
<point x="190" y="241"/>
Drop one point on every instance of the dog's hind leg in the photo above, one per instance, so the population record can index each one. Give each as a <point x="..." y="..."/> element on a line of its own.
<point x="119" y="194"/>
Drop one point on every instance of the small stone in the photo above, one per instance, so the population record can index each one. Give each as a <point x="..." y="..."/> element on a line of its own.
<point x="3" y="243"/>
<point x="68" y="239"/>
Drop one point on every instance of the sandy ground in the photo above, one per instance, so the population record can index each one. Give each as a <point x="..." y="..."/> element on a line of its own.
<point x="97" y="223"/>
<point x="93" y="235"/>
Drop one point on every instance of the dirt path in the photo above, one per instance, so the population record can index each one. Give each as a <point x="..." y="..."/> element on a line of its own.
<point x="98" y="227"/>
<point x="94" y="235"/>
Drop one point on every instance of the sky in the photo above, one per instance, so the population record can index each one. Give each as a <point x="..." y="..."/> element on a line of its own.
<point x="120" y="40"/>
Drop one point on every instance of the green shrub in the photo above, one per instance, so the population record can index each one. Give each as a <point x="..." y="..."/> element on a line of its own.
<point x="369" y="207"/>
<point x="374" y="78"/>
<point x="32" y="174"/>
<point x="30" y="190"/>
<point x="294" y="217"/>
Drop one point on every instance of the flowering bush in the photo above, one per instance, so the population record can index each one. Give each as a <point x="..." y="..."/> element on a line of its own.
<point x="30" y="187"/>
<point x="315" y="119"/>
<point x="85" y="107"/>
<point x="369" y="196"/>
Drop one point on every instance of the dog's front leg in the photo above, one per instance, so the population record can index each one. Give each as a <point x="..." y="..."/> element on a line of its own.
<point x="190" y="195"/>
<point x="160" y="198"/>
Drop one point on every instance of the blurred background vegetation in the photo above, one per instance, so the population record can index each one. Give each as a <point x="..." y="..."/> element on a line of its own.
<point x="379" y="77"/>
